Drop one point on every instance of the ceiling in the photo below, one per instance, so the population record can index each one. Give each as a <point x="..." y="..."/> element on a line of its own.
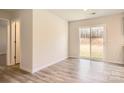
<point x="79" y="14"/>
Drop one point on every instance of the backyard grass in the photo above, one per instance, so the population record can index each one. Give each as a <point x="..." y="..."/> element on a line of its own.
<point x="96" y="49"/>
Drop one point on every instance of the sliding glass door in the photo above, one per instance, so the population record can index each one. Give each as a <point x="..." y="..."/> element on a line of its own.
<point x="92" y="42"/>
<point x="97" y="46"/>
<point x="85" y="43"/>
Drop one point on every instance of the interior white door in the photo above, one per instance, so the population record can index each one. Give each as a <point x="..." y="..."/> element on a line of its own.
<point x="15" y="42"/>
<point x="13" y="61"/>
<point x="17" y="37"/>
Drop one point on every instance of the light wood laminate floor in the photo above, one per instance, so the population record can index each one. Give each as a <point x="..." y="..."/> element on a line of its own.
<point x="3" y="59"/>
<point x="67" y="71"/>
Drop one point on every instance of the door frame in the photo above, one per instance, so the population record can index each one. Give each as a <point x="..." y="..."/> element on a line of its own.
<point x="104" y="41"/>
<point x="15" y="42"/>
<point x="8" y="60"/>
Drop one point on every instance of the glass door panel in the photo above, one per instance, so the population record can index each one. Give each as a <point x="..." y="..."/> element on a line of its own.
<point x="97" y="42"/>
<point x="85" y="43"/>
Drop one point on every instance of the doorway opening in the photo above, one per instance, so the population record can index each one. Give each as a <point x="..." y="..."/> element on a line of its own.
<point x="92" y="42"/>
<point x="4" y="42"/>
<point x="9" y="42"/>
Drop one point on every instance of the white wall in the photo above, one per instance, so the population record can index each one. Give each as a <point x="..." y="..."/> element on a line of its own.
<point x="24" y="18"/>
<point x="114" y="37"/>
<point x="44" y="39"/>
<point x="50" y="39"/>
<point x="3" y="37"/>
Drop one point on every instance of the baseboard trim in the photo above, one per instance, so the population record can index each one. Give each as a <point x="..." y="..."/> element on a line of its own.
<point x="45" y="66"/>
<point x="105" y="61"/>
<point x="25" y="69"/>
